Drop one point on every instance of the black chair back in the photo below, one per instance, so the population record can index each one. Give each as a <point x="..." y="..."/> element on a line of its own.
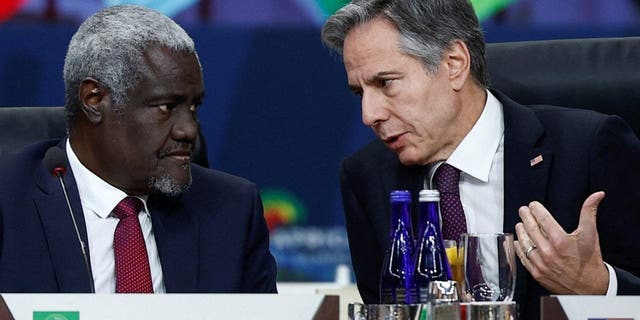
<point x="599" y="74"/>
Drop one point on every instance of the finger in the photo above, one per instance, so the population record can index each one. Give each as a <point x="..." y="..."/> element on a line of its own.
<point x="523" y="241"/>
<point x="534" y="263"/>
<point x="532" y="228"/>
<point x="528" y="264"/>
<point x="534" y="270"/>
<point x="589" y="210"/>
<point x="523" y="244"/>
<point x="519" y="253"/>
<point x="545" y="220"/>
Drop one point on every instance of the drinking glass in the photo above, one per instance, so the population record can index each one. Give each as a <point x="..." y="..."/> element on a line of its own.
<point x="489" y="266"/>
<point x="455" y="260"/>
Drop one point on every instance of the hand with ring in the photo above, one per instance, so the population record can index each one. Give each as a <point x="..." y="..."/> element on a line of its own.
<point x="531" y="248"/>
<point x="563" y="263"/>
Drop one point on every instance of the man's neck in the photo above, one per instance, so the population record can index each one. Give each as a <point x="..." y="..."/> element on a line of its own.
<point x="472" y="98"/>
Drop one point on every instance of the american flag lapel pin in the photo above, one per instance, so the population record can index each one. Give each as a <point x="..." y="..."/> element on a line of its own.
<point x="535" y="161"/>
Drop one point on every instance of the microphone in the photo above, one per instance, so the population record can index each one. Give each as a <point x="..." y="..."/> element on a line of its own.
<point x="55" y="162"/>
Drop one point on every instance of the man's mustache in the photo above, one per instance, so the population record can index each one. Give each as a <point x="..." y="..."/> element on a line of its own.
<point x="177" y="148"/>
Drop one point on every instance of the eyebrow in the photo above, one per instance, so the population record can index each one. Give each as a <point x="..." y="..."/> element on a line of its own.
<point x="381" y="74"/>
<point x="377" y="76"/>
<point x="174" y="97"/>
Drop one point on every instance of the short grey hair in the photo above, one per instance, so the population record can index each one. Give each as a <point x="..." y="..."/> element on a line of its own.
<point x="427" y="28"/>
<point x="109" y="47"/>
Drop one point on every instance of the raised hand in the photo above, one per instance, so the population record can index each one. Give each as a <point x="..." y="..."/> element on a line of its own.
<point x="564" y="263"/>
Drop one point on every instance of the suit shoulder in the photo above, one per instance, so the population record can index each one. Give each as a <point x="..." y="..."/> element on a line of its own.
<point x="18" y="166"/>
<point x="218" y="181"/>
<point x="579" y="122"/>
<point x="552" y="118"/>
<point x="375" y="159"/>
<point x="371" y="156"/>
<point x="568" y="115"/>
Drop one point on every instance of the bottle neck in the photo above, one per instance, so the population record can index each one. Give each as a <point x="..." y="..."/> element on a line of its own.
<point x="430" y="211"/>
<point x="400" y="214"/>
<point x="400" y="211"/>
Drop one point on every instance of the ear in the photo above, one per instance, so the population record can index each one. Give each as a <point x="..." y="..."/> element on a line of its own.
<point x="458" y="62"/>
<point x="92" y="99"/>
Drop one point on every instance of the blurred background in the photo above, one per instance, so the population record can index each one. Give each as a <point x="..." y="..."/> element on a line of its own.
<point x="277" y="108"/>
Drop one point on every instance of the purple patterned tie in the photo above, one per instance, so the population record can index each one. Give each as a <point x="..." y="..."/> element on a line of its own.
<point x="133" y="274"/>
<point x="453" y="220"/>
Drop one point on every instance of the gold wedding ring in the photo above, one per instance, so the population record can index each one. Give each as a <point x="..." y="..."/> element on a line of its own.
<point x="531" y="248"/>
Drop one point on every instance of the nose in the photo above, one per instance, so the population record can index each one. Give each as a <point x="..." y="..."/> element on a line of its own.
<point x="185" y="127"/>
<point x="373" y="109"/>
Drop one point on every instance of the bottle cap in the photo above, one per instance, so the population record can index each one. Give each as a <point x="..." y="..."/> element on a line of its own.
<point x="401" y="195"/>
<point x="427" y="195"/>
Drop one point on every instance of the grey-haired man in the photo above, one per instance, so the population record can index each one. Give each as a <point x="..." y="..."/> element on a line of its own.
<point x="152" y="220"/>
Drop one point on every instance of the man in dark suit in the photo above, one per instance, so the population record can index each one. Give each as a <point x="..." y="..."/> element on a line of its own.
<point x="146" y="219"/>
<point x="419" y="67"/>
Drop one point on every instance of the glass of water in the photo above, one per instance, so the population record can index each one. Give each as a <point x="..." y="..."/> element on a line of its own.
<point x="489" y="267"/>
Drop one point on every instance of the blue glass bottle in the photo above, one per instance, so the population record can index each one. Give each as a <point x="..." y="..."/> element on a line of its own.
<point x="431" y="263"/>
<point x="396" y="279"/>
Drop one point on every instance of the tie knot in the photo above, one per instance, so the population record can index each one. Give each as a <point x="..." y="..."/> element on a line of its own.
<point x="447" y="178"/>
<point x="129" y="206"/>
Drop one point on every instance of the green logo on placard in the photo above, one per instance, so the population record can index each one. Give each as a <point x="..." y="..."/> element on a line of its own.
<point x="56" y="315"/>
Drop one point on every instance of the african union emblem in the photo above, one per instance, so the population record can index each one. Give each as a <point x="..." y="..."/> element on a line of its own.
<point x="56" y="315"/>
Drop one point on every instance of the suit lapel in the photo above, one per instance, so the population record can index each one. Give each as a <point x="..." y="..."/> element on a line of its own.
<point x="527" y="160"/>
<point x="64" y="248"/>
<point x="176" y="235"/>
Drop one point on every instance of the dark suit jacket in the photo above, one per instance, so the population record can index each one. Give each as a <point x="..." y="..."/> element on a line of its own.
<point x="212" y="238"/>
<point x="582" y="152"/>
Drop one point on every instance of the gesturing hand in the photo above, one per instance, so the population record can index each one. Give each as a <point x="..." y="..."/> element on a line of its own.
<point x="563" y="263"/>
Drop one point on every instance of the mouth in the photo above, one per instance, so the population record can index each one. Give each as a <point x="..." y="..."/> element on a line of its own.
<point x="182" y="156"/>
<point x="391" y="139"/>
<point x="394" y="141"/>
<point x="181" y="153"/>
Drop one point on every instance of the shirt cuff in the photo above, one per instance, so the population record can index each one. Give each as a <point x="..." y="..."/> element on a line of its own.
<point x="612" y="290"/>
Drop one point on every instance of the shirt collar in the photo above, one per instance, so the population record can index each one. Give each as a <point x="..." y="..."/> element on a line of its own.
<point x="474" y="155"/>
<point x="96" y="194"/>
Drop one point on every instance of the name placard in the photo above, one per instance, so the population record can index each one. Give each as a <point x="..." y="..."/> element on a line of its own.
<point x="170" y="306"/>
<point x="590" y="307"/>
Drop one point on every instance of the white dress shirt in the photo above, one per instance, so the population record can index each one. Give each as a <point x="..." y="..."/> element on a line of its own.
<point x="480" y="159"/>
<point x="98" y="199"/>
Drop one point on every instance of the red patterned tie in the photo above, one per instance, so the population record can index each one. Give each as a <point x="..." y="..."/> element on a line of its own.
<point x="132" y="262"/>
<point x="453" y="220"/>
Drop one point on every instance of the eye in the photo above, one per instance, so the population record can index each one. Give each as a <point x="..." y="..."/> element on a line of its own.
<point x="165" y="108"/>
<point x="193" y="108"/>
<point x="386" y="82"/>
